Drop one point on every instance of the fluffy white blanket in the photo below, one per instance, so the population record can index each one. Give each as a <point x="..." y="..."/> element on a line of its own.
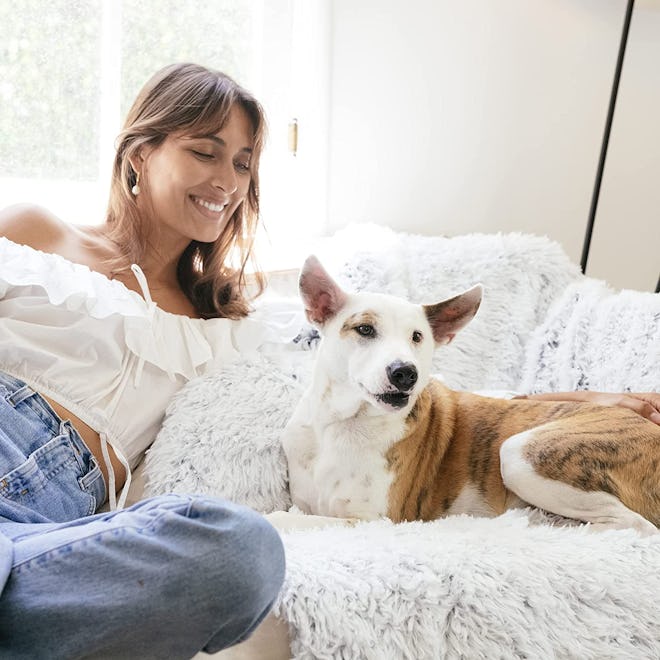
<point x="221" y="436"/>
<point x="471" y="588"/>
<point x="460" y="587"/>
<point x="455" y="588"/>
<point x="596" y="339"/>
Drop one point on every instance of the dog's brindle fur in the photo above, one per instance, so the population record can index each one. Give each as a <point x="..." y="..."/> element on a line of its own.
<point x="444" y="452"/>
<point x="453" y="440"/>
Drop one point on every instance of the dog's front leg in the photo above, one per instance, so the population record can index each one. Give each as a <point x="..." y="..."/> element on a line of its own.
<point x="345" y="507"/>
<point x="299" y="444"/>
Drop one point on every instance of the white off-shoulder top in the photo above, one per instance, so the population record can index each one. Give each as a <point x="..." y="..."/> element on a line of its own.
<point x="107" y="354"/>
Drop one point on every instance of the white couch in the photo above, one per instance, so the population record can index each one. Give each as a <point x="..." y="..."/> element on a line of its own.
<point x="517" y="586"/>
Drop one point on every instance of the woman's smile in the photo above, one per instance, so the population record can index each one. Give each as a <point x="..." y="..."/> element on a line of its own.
<point x="210" y="209"/>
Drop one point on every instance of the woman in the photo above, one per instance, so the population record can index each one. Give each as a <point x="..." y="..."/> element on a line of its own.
<point x="99" y="326"/>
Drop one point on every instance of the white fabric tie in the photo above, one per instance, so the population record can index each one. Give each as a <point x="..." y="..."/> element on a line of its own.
<point x="142" y="281"/>
<point x="112" y="495"/>
<point x="151" y="305"/>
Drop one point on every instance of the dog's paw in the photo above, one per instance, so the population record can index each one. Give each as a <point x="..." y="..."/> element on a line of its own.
<point x="308" y="338"/>
<point x="287" y="521"/>
<point x="630" y="521"/>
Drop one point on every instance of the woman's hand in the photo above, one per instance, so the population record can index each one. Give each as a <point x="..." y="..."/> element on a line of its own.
<point x="646" y="404"/>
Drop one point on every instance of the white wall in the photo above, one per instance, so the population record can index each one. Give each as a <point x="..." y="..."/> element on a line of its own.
<point x="454" y="117"/>
<point x="627" y="235"/>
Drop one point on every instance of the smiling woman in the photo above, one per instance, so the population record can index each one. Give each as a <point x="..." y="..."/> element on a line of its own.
<point x="198" y="181"/>
<point x="99" y="327"/>
<point x="181" y="207"/>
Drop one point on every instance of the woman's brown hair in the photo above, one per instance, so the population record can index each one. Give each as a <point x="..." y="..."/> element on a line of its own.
<point x="190" y="98"/>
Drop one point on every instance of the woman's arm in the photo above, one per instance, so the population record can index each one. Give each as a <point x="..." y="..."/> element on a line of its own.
<point x="646" y="404"/>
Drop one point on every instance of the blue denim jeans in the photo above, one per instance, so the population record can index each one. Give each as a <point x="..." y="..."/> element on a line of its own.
<point x="165" y="578"/>
<point x="47" y="473"/>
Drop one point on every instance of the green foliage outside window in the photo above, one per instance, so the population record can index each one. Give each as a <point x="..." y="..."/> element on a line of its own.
<point x="50" y="70"/>
<point x="49" y="88"/>
<point x="214" y="33"/>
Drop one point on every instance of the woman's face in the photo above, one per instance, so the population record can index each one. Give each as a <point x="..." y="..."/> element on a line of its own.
<point x="193" y="184"/>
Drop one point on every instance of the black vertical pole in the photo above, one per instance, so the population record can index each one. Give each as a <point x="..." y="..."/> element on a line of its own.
<point x="606" y="136"/>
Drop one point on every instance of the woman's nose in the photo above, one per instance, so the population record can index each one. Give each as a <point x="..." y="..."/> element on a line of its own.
<point x="225" y="178"/>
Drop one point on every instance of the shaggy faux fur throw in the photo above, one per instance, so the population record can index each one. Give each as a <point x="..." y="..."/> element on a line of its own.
<point x="468" y="588"/>
<point x="461" y="587"/>
<point x="596" y="339"/>
<point x="221" y="436"/>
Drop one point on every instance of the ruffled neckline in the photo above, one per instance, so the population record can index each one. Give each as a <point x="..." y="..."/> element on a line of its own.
<point x="176" y="343"/>
<point x="17" y="271"/>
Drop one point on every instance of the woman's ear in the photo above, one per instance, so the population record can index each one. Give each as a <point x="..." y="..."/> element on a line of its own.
<point x="137" y="159"/>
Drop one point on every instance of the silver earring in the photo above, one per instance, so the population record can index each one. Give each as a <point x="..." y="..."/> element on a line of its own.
<point x="136" y="188"/>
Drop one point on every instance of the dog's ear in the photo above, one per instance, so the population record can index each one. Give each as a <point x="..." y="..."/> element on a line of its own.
<point x="450" y="316"/>
<point x="320" y="294"/>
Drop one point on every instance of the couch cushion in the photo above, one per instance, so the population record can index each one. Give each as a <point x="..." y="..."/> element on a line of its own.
<point x="596" y="339"/>
<point x="221" y="436"/>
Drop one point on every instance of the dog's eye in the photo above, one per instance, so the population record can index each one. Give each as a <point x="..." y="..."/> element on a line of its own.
<point x="417" y="336"/>
<point x="365" y="330"/>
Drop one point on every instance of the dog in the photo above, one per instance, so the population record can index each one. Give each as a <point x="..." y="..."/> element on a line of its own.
<point x="375" y="436"/>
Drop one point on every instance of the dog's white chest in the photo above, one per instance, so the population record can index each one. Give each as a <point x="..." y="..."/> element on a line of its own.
<point x="338" y="468"/>
<point x="350" y="481"/>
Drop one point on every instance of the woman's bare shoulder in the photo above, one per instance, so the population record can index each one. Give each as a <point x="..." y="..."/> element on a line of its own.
<point x="29" y="224"/>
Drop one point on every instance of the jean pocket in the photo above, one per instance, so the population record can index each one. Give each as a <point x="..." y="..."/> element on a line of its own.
<point x="50" y="483"/>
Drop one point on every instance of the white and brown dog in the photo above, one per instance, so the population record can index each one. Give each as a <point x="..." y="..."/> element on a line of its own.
<point x="375" y="436"/>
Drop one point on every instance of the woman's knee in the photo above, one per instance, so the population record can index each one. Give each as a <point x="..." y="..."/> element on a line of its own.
<point x="240" y="564"/>
<point x="242" y="546"/>
<point x="235" y="552"/>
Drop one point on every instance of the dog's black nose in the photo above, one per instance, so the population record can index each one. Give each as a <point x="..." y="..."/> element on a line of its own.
<point x="403" y="375"/>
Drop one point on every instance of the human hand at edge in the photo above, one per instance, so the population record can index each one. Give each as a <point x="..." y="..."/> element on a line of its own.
<point x="646" y="404"/>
